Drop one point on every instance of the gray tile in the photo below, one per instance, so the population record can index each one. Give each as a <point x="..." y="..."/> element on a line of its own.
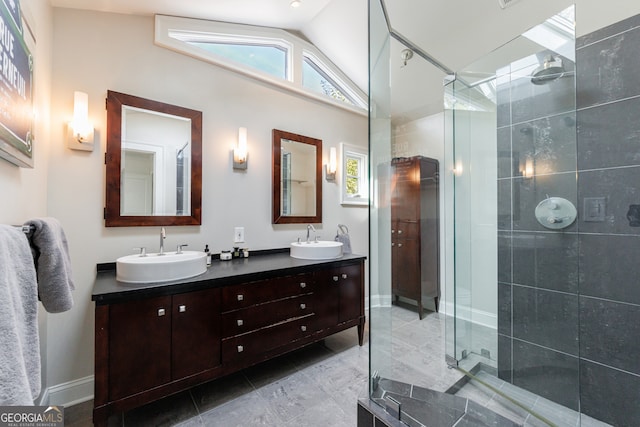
<point x="220" y="391"/>
<point x="504" y="256"/>
<point x="504" y="309"/>
<point x="620" y="189"/>
<point x="609" y="395"/>
<point x="504" y="358"/>
<point x="480" y="415"/>
<point x="609" y="135"/>
<point x="291" y="396"/>
<point x="270" y="371"/>
<point x="506" y="166"/>
<point x="165" y="412"/>
<point x="546" y="145"/>
<point x="530" y="101"/>
<point x="608" y="333"/>
<point x="547" y="373"/>
<point x="546" y="260"/>
<point x="609" y="267"/>
<point x="608" y="31"/>
<point x="546" y="318"/>
<point x="326" y="414"/>
<point x="608" y="69"/>
<point x="504" y="204"/>
<point x="527" y="193"/>
<point x="246" y="411"/>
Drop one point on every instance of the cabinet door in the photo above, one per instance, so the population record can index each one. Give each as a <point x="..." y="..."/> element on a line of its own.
<point x="139" y="346"/>
<point x="350" y="292"/>
<point x="195" y="332"/>
<point x="405" y="268"/>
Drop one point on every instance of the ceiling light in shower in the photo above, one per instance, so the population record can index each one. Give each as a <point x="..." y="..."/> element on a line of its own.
<point x="295" y="3"/>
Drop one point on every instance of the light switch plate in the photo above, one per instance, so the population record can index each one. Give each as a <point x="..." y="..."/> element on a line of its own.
<point x="238" y="235"/>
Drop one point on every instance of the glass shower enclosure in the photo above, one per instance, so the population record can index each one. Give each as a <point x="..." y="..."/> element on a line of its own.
<point x="506" y="337"/>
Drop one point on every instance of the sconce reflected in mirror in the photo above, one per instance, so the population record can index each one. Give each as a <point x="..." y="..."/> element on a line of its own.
<point x="80" y="130"/>
<point x="331" y="167"/>
<point x="240" y="151"/>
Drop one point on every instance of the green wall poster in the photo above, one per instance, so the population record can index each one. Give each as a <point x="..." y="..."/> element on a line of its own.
<point x="16" y="87"/>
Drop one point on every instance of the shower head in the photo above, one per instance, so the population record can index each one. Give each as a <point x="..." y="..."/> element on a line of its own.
<point x="550" y="69"/>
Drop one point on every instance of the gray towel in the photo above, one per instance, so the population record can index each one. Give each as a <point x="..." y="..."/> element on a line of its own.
<point x="19" y="342"/>
<point x="53" y="264"/>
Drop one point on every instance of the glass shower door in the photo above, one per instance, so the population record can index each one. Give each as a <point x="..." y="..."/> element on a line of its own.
<point x="511" y="119"/>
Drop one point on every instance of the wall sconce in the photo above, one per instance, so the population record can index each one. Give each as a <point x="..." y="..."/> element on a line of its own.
<point x="240" y="151"/>
<point x="80" y="131"/>
<point x="330" y="168"/>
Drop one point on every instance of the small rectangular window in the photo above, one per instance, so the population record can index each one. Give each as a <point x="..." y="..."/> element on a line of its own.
<point x="354" y="187"/>
<point x="267" y="58"/>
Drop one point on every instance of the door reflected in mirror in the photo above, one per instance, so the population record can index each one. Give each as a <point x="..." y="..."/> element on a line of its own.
<point x="296" y="178"/>
<point x="154" y="163"/>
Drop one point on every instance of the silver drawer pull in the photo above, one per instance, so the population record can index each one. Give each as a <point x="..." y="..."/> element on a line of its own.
<point x="161" y="312"/>
<point x="240" y="322"/>
<point x="303" y="285"/>
<point x="303" y="306"/>
<point x="303" y="328"/>
<point x="399" y="245"/>
<point x="182" y="308"/>
<point x="393" y="244"/>
<point x="336" y="278"/>
<point x="344" y="276"/>
<point x="399" y="231"/>
<point x="240" y="349"/>
<point x="393" y="231"/>
<point x="240" y="297"/>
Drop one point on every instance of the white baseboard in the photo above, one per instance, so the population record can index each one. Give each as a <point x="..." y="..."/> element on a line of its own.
<point x="484" y="318"/>
<point x="69" y="393"/>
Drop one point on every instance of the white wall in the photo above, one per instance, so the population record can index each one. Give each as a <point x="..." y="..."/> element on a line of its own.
<point x="94" y="52"/>
<point x="24" y="190"/>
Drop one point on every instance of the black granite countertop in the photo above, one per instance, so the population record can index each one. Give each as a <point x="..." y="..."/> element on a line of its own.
<point x="107" y="289"/>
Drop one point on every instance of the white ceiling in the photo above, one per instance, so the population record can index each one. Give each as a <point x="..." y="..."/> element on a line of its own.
<point x="454" y="32"/>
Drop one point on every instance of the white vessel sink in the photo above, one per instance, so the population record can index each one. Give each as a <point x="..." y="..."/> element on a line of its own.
<point x="316" y="250"/>
<point x="160" y="268"/>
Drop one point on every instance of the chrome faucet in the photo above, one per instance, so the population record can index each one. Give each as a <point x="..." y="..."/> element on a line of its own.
<point x="163" y="235"/>
<point x="309" y="228"/>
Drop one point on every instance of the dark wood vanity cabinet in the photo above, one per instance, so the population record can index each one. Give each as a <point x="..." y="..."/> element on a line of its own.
<point x="157" y="340"/>
<point x="148" y="348"/>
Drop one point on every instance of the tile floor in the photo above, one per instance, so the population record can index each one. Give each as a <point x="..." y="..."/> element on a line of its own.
<point x="320" y="384"/>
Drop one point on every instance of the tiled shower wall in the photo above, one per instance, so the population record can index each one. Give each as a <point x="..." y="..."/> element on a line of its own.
<point x="569" y="301"/>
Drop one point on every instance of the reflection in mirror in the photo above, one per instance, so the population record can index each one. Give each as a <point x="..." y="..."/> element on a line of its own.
<point x="154" y="164"/>
<point x="156" y="153"/>
<point x="297" y="185"/>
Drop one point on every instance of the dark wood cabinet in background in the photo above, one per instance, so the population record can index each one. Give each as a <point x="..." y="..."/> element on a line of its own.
<point x="153" y="346"/>
<point x="415" y="222"/>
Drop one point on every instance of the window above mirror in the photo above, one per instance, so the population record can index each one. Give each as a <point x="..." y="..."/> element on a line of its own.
<point x="268" y="54"/>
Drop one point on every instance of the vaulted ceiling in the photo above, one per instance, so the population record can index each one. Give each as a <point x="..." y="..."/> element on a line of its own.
<point x="454" y="32"/>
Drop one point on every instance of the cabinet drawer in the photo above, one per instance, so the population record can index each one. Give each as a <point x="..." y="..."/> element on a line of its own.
<point x="257" y="342"/>
<point x="245" y="295"/>
<point x="241" y="321"/>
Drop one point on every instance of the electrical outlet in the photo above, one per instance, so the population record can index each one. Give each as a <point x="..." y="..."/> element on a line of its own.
<point x="238" y="235"/>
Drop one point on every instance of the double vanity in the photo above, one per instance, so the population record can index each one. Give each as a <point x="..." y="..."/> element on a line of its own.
<point x="155" y="339"/>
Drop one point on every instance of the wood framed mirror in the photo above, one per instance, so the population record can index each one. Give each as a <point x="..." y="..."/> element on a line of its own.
<point x="297" y="178"/>
<point x="153" y="163"/>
